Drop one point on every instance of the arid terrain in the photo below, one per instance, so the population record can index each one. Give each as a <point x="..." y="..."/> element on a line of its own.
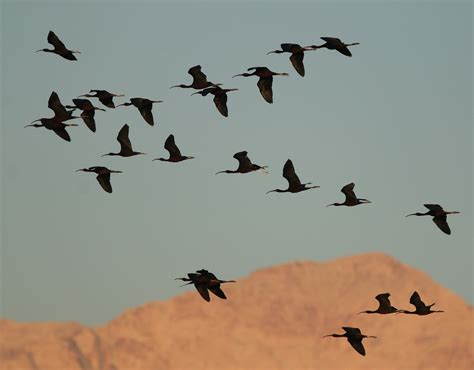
<point x="273" y="319"/>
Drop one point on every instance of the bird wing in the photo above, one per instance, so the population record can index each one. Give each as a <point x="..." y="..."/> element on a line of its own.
<point x="198" y="76"/>
<point x="62" y="133"/>
<point x="289" y="47"/>
<point x="244" y="161"/>
<point x="416" y="301"/>
<point x="290" y="175"/>
<point x="56" y="42"/>
<point x="332" y="40"/>
<point x="171" y="147"/>
<point x="104" y="181"/>
<point x="356" y="343"/>
<point x="442" y="223"/>
<point x="348" y="191"/>
<point x="297" y="61"/>
<point x="434" y="207"/>
<point x="202" y="289"/>
<point x="337" y="44"/>
<point x="344" y="50"/>
<point x="351" y="331"/>
<point x="106" y="98"/>
<point x="265" y="86"/>
<point x="88" y="118"/>
<point x="123" y="139"/>
<point x="59" y="111"/>
<point x="147" y="115"/>
<point x="383" y="299"/>
<point x="83" y="104"/>
<point x="220" y="100"/>
<point x="217" y="291"/>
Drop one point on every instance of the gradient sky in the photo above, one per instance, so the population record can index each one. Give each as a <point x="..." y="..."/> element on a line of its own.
<point x="396" y="119"/>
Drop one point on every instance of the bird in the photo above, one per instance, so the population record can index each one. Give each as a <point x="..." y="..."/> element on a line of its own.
<point x="126" y="149"/>
<point x="204" y="281"/>
<point x="199" y="80"/>
<point x="351" y="199"/>
<point x="88" y="111"/>
<point x="175" y="153"/>
<point x="385" y="307"/>
<point x="56" y="123"/>
<point x="103" y="176"/>
<point x="245" y="165"/>
<point x="439" y="216"/>
<point x="104" y="97"/>
<point x="354" y="337"/>
<point x="420" y="307"/>
<point x="59" y="47"/>
<point x="333" y="43"/>
<point x="144" y="107"/>
<point x="220" y="98"/>
<point x="265" y="81"/>
<point x="297" y="55"/>
<point x="294" y="183"/>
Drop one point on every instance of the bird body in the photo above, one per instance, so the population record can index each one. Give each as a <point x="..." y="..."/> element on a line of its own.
<point x="104" y="97"/>
<point x="420" y="307"/>
<point x="199" y="80"/>
<point x="265" y="81"/>
<point x="294" y="183"/>
<point x="59" y="48"/>
<point x="439" y="216"/>
<point x="354" y="337"/>
<point x="351" y="199"/>
<point x="220" y="98"/>
<point x="144" y="106"/>
<point x="385" y="307"/>
<point x="245" y="165"/>
<point x="297" y="55"/>
<point x="88" y="112"/>
<point x="175" y="153"/>
<point x="103" y="176"/>
<point x="333" y="43"/>
<point x="126" y="149"/>
<point x="205" y="281"/>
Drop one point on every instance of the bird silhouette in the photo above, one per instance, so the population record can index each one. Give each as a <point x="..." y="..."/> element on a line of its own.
<point x="199" y="80"/>
<point x="351" y="199"/>
<point x="265" y="81"/>
<point x="126" y="149"/>
<point x="245" y="165"/>
<point x="439" y="216"/>
<point x="220" y="98"/>
<point x="385" y="307"/>
<point x="354" y="337"/>
<point x="420" y="307"/>
<point x="297" y="55"/>
<point x="104" y="97"/>
<point x="333" y="43"/>
<point x="56" y="123"/>
<point x="144" y="107"/>
<point x="175" y="153"/>
<point x="88" y="111"/>
<point x="294" y="183"/>
<point x="103" y="176"/>
<point x="59" y="47"/>
<point x="204" y="281"/>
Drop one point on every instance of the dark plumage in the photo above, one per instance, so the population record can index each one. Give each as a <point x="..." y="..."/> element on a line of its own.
<point x="199" y="80"/>
<point x="439" y="216"/>
<point x="351" y="199"/>
<point x="104" y="97"/>
<point x="144" y="107"/>
<point x="103" y="176"/>
<point x="420" y="307"/>
<point x="220" y="98"/>
<point x="59" y="48"/>
<point x="175" y="153"/>
<point x="88" y="111"/>
<point x="333" y="43"/>
<point x="294" y="183"/>
<point x="354" y="337"/>
<point x="126" y="149"/>
<point x="297" y="55"/>
<point x="245" y="165"/>
<point x="265" y="81"/>
<point x="385" y="307"/>
<point x="204" y="281"/>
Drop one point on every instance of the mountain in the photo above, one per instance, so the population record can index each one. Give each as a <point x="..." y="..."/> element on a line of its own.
<point x="273" y="319"/>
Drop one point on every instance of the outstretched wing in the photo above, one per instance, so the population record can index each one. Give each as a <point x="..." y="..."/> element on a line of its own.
<point x="290" y="175"/>
<point x="62" y="133"/>
<point x="383" y="299"/>
<point x="289" y="47"/>
<point x="436" y="208"/>
<point x="59" y="111"/>
<point x="123" y="139"/>
<point x="297" y="61"/>
<point x="220" y="101"/>
<point x="416" y="301"/>
<point x="104" y="181"/>
<point x="217" y="291"/>
<point x="199" y="77"/>
<point x="202" y="289"/>
<point x="56" y="42"/>
<point x="442" y="223"/>
<point x="265" y="86"/>
<point x="171" y="147"/>
<point x="348" y="191"/>
<point x="105" y="98"/>
<point x="357" y="345"/>
<point x="244" y="161"/>
<point x="337" y="44"/>
<point x="88" y="118"/>
<point x="83" y="104"/>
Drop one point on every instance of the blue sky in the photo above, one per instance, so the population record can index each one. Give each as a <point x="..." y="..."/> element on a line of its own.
<point x="396" y="119"/>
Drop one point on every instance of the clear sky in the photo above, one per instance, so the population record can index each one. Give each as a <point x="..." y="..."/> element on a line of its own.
<point x="396" y="119"/>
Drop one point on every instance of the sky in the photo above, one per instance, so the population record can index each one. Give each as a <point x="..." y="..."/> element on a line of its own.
<point x="395" y="119"/>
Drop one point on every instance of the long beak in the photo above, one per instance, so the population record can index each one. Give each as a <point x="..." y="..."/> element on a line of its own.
<point x="172" y="87"/>
<point x="195" y="93"/>
<point x="283" y="74"/>
<point x="31" y="124"/>
<point x="272" y="52"/>
<point x="157" y="101"/>
<point x="220" y="172"/>
<point x="38" y="50"/>
<point x="371" y="336"/>
<point x="325" y="336"/>
<point x="116" y="171"/>
<point x="240" y="74"/>
<point x="329" y="205"/>
<point x="411" y="214"/>
<point x="270" y="191"/>
<point x="103" y="110"/>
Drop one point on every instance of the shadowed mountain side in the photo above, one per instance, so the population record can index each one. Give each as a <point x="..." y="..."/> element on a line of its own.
<point x="272" y="319"/>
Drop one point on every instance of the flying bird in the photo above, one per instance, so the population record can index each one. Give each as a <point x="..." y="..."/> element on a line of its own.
<point x="144" y="107"/>
<point x="199" y="80"/>
<point x="294" y="183"/>
<point x="103" y="176"/>
<point x="220" y="98"/>
<point x="88" y="111"/>
<point x="126" y="149"/>
<point x="351" y="199"/>
<point x="265" y="80"/>
<point x="354" y="337"/>
<point x="175" y="153"/>
<point x="385" y="307"/>
<point x="104" y="97"/>
<point x="59" y="47"/>
<point x="420" y="307"/>
<point x="333" y="43"/>
<point x="297" y="55"/>
<point x="56" y="123"/>
<point x="245" y="164"/>
<point x="439" y="216"/>
<point x="204" y="281"/>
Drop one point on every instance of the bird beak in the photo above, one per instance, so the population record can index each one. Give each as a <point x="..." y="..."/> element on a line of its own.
<point x="195" y="93"/>
<point x="157" y="101"/>
<point x="240" y="74"/>
<point x="38" y="50"/>
<point x="174" y="86"/>
<point x="329" y="205"/>
<point x="411" y="214"/>
<point x="329" y="335"/>
<point x="31" y="124"/>
<point x="80" y="170"/>
<point x="116" y="171"/>
<point x="271" y="52"/>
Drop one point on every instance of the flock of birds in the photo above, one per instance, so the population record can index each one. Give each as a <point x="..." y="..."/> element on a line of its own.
<point x="203" y="280"/>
